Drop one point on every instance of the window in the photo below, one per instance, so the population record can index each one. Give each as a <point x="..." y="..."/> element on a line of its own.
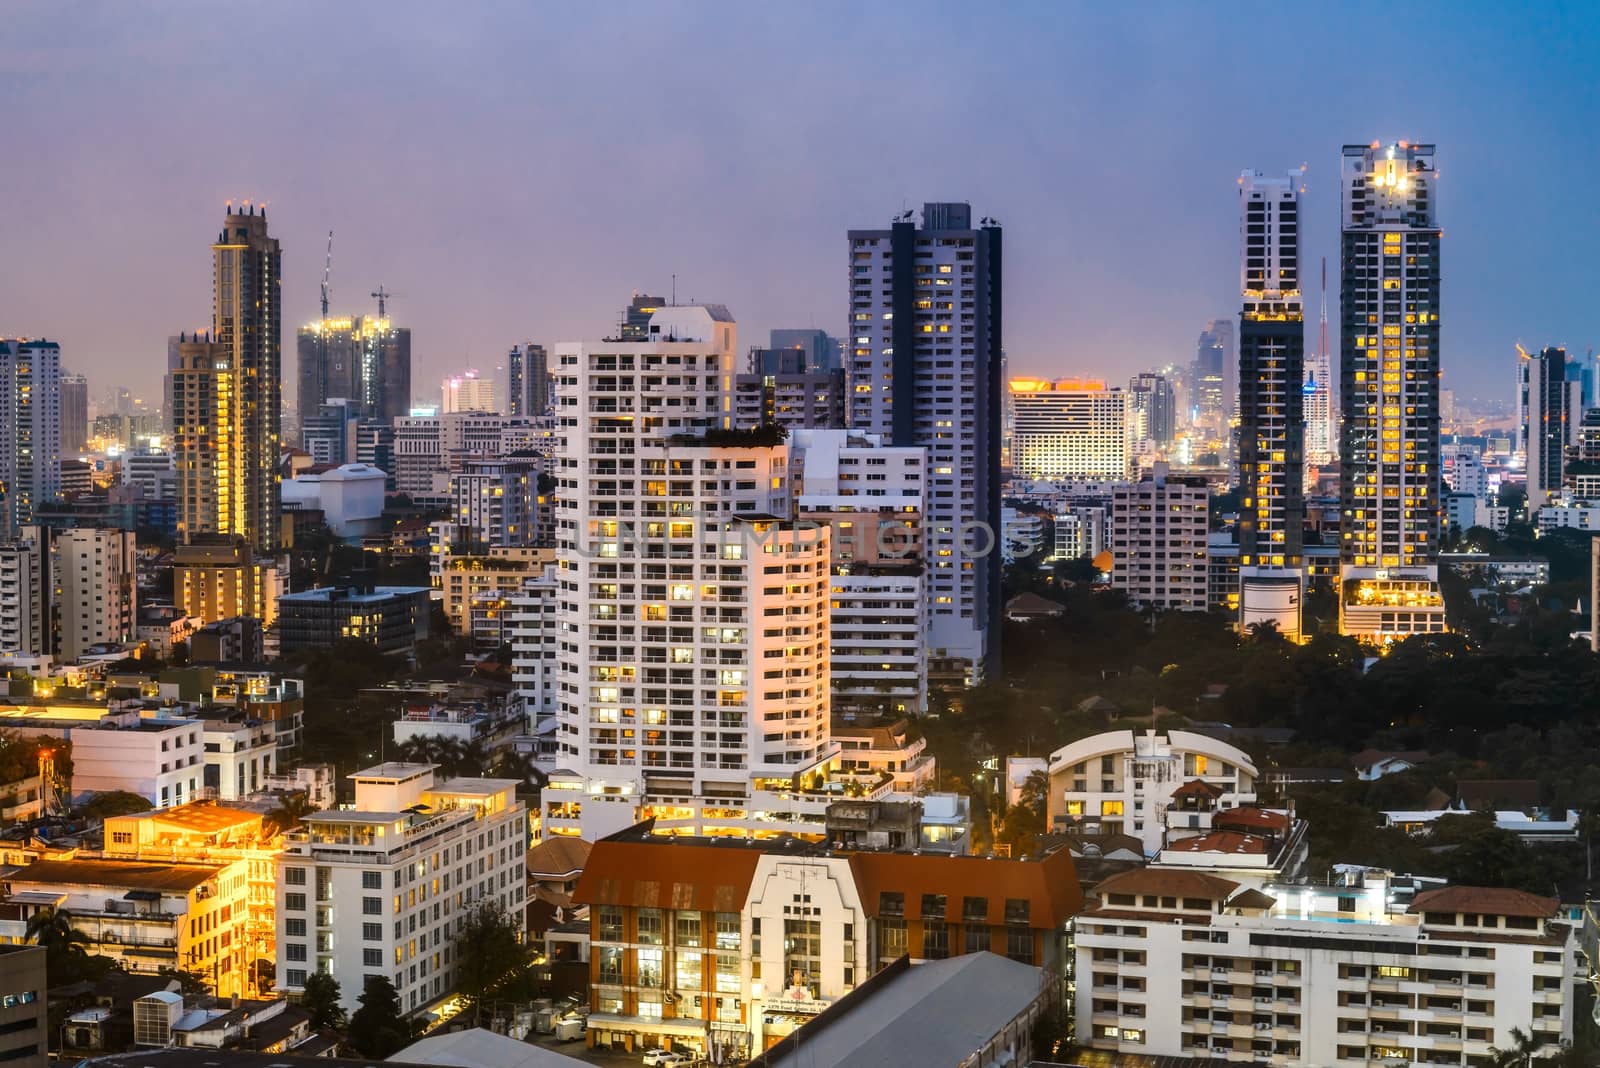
<point x="294" y="950"/>
<point x="610" y="923"/>
<point x="933" y="906"/>
<point x="1019" y="946"/>
<point x="891" y="939"/>
<point x="1018" y="911"/>
<point x="372" y="958"/>
<point x="1111" y="808"/>
<point x="372" y="880"/>
<point x="649" y="968"/>
<point x="690" y="970"/>
<point x="295" y="928"/>
<point x="649" y="927"/>
<point x="891" y="903"/>
<point x="727" y="973"/>
<point x="978" y="940"/>
<point x="372" y="906"/>
<point x="294" y="902"/>
<point x="688" y="929"/>
<point x="727" y="930"/>
<point x="974" y="910"/>
<point x="294" y="876"/>
<point x="935" y="940"/>
<point x="295" y="976"/>
<point x="802" y="948"/>
<point x="372" y="932"/>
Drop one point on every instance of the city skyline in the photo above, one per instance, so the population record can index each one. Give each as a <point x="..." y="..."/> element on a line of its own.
<point x="1069" y="163"/>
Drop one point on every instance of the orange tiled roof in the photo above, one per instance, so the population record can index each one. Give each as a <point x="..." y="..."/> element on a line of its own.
<point x="1223" y="842"/>
<point x="1168" y="882"/>
<point x="1251" y="819"/>
<point x="1199" y="788"/>
<point x="668" y="875"/>
<point x="1489" y="900"/>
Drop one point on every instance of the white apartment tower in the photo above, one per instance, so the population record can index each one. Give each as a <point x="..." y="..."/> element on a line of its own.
<point x="924" y="369"/>
<point x="1389" y="392"/>
<point x="1070" y="428"/>
<point x="385" y="888"/>
<point x="30" y="429"/>
<point x="25" y="594"/>
<point x="693" y="620"/>
<point x="870" y="497"/>
<point x="1158" y="541"/>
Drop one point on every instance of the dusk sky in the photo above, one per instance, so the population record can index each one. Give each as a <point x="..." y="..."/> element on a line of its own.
<point x="515" y="171"/>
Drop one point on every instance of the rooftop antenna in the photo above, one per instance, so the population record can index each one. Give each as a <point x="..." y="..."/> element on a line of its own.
<point x="327" y="269"/>
<point x="674" y="301"/>
<point x="382" y="295"/>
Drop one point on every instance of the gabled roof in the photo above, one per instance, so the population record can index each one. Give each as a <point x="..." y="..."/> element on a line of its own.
<point x="1252" y="899"/>
<point x="1490" y="793"/>
<point x="1050" y="885"/>
<point x="1368" y="757"/>
<point x="1488" y="900"/>
<point x="1199" y="788"/>
<point x="672" y="875"/>
<point x="1168" y="882"/>
<point x="1031" y="604"/>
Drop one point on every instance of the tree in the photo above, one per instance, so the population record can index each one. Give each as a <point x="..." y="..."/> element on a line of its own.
<point x="1035" y="793"/>
<point x="321" y="1000"/>
<point x="52" y="929"/>
<point x="191" y="984"/>
<point x="114" y="803"/>
<point x="378" y="1028"/>
<point x="489" y="955"/>
<point x="293" y="808"/>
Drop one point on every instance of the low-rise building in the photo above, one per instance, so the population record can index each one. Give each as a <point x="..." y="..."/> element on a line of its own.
<point x="886" y="748"/>
<point x="384" y="888"/>
<point x="148" y="752"/>
<point x="24" y="1030"/>
<point x="1187" y="964"/>
<point x="392" y="619"/>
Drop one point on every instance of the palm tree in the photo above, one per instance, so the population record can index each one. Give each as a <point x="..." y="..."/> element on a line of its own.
<point x="1520" y="1055"/>
<point x="507" y="763"/>
<point x="52" y="928"/>
<point x="292" y="809"/>
<point x="1035" y="792"/>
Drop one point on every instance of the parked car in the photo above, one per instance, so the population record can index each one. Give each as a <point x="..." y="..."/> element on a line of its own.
<point x="663" y="1058"/>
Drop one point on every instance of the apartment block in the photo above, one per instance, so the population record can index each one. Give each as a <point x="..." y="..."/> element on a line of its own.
<point x="1159" y="528"/>
<point x="94" y="573"/>
<point x="392" y="619"/>
<point x="1070" y="428"/>
<point x="1364" y="971"/>
<point x="384" y="888"/>
<point x="26" y="594"/>
<point x="30" y="429"/>
<point x="24" y="1027"/>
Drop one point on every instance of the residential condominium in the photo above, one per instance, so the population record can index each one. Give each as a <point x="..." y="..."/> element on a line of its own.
<point x="1158" y="541"/>
<point x="924" y="366"/>
<point x="1549" y="397"/>
<point x="1070" y="428"/>
<point x="30" y="429"/>
<point x="757" y="939"/>
<point x="528" y="381"/>
<point x="870" y="497"/>
<point x="93" y="573"/>
<point x="1363" y="971"/>
<point x="693" y="620"/>
<point x="385" y="888"/>
<point x="781" y="387"/>
<point x="1389" y="392"/>
<point x="1272" y="425"/>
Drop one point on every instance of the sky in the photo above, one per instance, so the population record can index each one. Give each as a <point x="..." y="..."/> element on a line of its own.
<point x="516" y="171"/>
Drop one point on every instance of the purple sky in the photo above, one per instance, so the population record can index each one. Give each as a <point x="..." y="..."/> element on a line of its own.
<point x="514" y="171"/>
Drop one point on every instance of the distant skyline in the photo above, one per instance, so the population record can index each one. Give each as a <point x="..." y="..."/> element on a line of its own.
<point x="515" y="173"/>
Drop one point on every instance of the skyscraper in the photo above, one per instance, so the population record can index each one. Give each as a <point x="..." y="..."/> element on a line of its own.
<point x="1389" y="392"/>
<point x="30" y="429"/>
<point x="466" y="392"/>
<point x="365" y="359"/>
<point x="74" y="414"/>
<point x="1271" y="403"/>
<point x="1214" y="375"/>
<point x="1322" y="429"/>
<point x="1153" y="408"/>
<point x="528" y="380"/>
<point x="1071" y="428"/>
<point x="1550" y="399"/>
<point x="924" y="369"/>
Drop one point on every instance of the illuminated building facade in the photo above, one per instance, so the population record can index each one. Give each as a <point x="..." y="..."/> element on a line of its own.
<point x="365" y="359"/>
<point x="1389" y="391"/>
<point x="1271" y="403"/>
<point x="924" y="368"/>
<point x="1550" y="402"/>
<point x="1070" y="429"/>
<point x="466" y="392"/>
<point x="30" y="429"/>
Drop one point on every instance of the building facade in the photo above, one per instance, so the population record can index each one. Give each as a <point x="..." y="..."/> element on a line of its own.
<point x="1389" y="392"/>
<point x="1550" y="404"/>
<point x="363" y="359"/>
<point x="30" y="429"/>
<point x="392" y="619"/>
<point x="924" y="369"/>
<point x="385" y="888"/>
<point x="94" y="573"/>
<point x="1070" y="429"/>
<point x="1158" y="541"/>
<point x="528" y="380"/>
<point x="24" y="1027"/>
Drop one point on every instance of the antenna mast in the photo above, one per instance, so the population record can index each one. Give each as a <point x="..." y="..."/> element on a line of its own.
<point x="1322" y="339"/>
<point x="327" y="269"/>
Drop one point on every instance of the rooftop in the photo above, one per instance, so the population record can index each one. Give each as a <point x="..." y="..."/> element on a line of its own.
<point x="558" y="855"/>
<point x="129" y="874"/>
<point x="1488" y="900"/>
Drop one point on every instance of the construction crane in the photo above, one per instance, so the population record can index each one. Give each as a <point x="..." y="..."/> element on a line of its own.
<point x="382" y="295"/>
<point x="327" y="269"/>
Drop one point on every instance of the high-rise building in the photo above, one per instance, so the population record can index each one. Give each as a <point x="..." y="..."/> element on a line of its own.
<point x="94" y="574"/>
<point x="1271" y="404"/>
<point x="821" y="352"/>
<point x="26" y="593"/>
<point x="328" y="433"/>
<point x="1389" y="392"/>
<point x="528" y="380"/>
<point x="497" y="503"/>
<point x="30" y="429"/>
<point x="694" y="624"/>
<point x="1550" y="402"/>
<point x="1214" y="375"/>
<point x="635" y="322"/>
<point x="226" y="394"/>
<point x="364" y="359"/>
<point x="1322" y="424"/>
<point x="780" y="386"/>
<point x="74" y="414"/>
<point x="1070" y="428"/>
<point x="869" y="496"/>
<point x="925" y="359"/>
<point x="467" y="392"/>
<point x="1158" y="541"/>
<point x="1152" y="408"/>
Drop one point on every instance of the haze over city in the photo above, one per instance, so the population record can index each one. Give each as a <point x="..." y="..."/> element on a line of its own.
<point x="516" y="173"/>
